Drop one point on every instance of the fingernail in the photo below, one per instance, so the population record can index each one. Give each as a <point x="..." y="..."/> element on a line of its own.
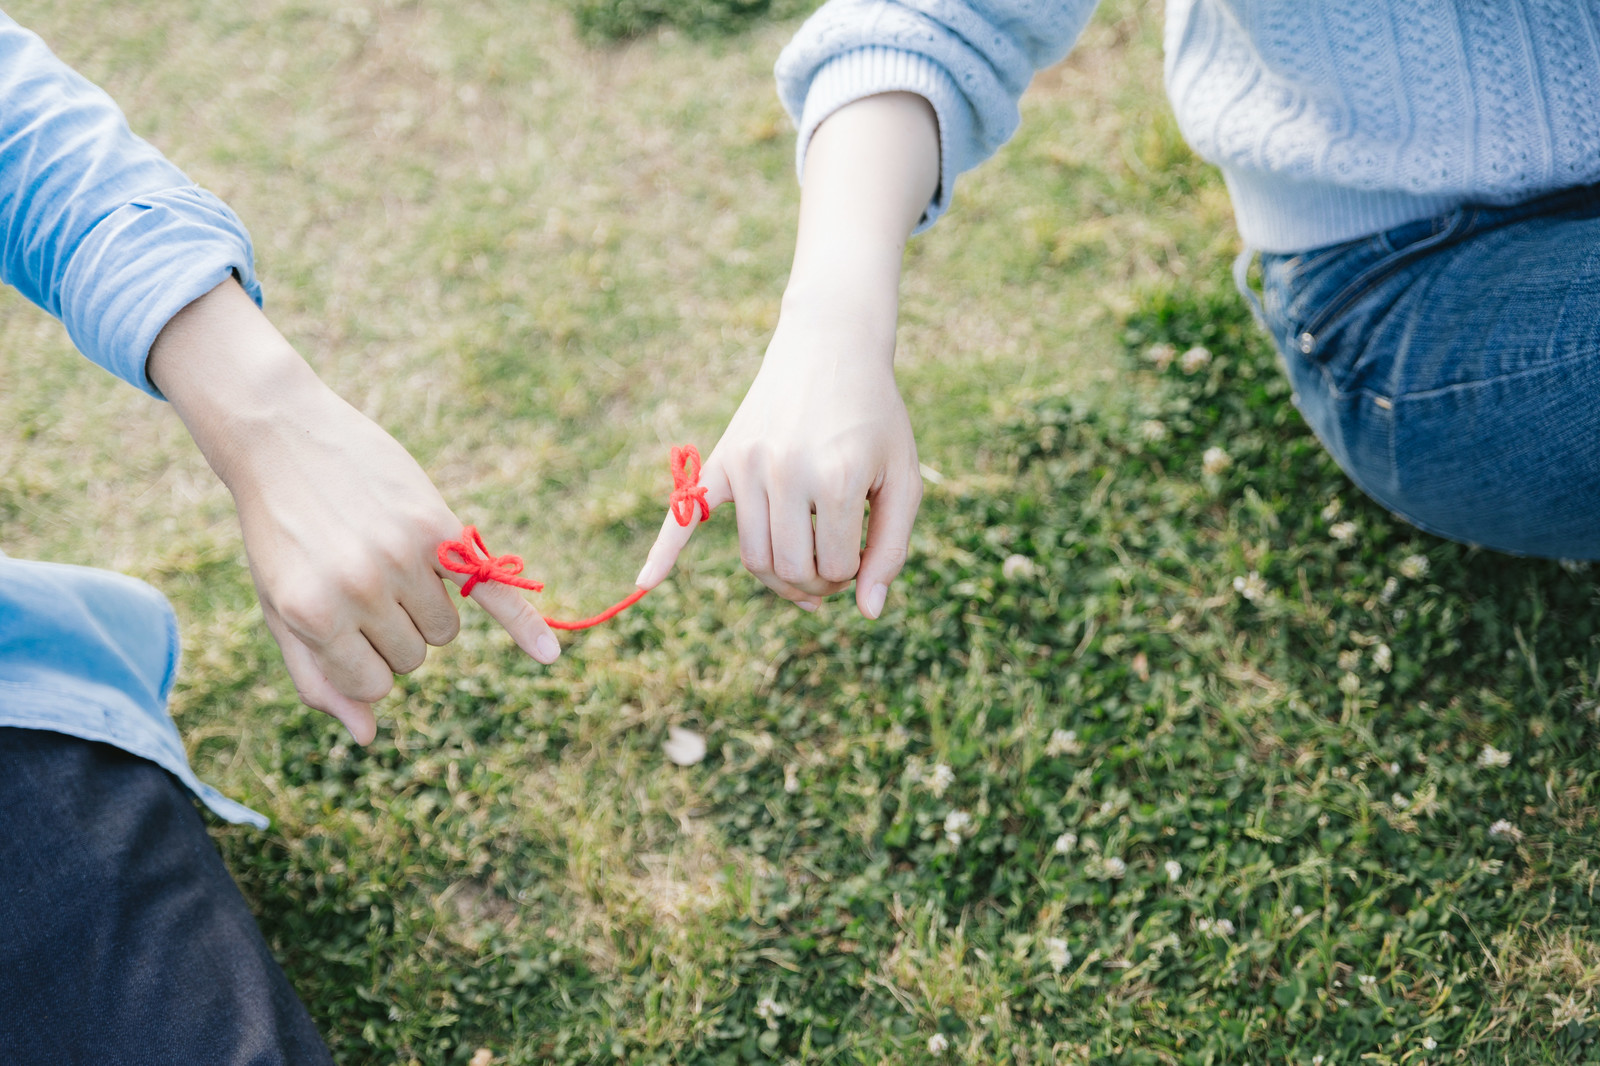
<point x="646" y="574"/>
<point x="875" y="597"/>
<point x="546" y="649"/>
<point x="806" y="605"/>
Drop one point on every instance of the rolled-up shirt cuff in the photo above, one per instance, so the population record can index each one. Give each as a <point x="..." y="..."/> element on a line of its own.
<point x="864" y="72"/>
<point x="142" y="264"/>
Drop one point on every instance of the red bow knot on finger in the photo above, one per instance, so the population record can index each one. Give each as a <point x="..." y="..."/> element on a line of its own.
<point x="686" y="488"/>
<point x="470" y="556"/>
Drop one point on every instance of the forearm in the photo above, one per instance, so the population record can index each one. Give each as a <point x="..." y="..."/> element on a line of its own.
<point x="234" y="381"/>
<point x="871" y="170"/>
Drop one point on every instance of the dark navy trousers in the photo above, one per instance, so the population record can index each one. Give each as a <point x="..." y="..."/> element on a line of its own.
<point x="123" y="940"/>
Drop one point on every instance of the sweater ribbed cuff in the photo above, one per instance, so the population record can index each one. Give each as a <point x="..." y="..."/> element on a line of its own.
<point x="864" y="72"/>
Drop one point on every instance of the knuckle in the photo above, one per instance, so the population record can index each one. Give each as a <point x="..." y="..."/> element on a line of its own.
<point x="310" y="614"/>
<point x="442" y="629"/>
<point x="891" y="560"/>
<point x="791" y="571"/>
<point x="752" y="457"/>
<point x="409" y="659"/>
<point x="313" y="700"/>
<point x="371" y="690"/>
<point x="836" y="571"/>
<point x="756" y="561"/>
<point x="834" y="482"/>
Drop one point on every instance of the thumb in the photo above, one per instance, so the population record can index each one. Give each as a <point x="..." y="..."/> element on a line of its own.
<point x="672" y="538"/>
<point x="894" y="509"/>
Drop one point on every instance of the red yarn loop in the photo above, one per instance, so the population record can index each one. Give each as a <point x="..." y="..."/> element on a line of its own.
<point x="470" y="555"/>
<point x="686" y="487"/>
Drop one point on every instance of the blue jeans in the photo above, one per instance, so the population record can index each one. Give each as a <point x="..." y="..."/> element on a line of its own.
<point x="1452" y="368"/>
<point x="123" y="940"/>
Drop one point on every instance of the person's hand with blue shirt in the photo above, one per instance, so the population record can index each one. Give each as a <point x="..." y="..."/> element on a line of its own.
<point x="340" y="524"/>
<point x="823" y="432"/>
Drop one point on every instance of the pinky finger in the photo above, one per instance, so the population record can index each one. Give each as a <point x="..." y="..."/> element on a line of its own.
<point x="673" y="537"/>
<point x="315" y="690"/>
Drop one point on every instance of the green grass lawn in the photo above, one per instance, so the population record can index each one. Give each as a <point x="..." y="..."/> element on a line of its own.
<point x="1155" y="757"/>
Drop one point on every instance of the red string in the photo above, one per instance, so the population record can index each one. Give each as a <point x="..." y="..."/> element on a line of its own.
<point x="686" y="487"/>
<point x="470" y="556"/>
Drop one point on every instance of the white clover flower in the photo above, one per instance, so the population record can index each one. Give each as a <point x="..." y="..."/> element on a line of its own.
<point x="1251" y="588"/>
<point x="1492" y="756"/>
<point x="1568" y="1010"/>
<point x="1297" y="911"/>
<point x="1316" y="1060"/>
<point x="1399" y="802"/>
<point x="770" y="1010"/>
<point x="897" y="737"/>
<point x="1343" y="532"/>
<point x="937" y="1044"/>
<point x="1331" y="511"/>
<point x="1575" y="566"/>
<point x="1215" y="461"/>
<point x="956" y="825"/>
<point x="1115" y="867"/>
<point x="1152" y="431"/>
<point x="1174" y="869"/>
<point x="1063" y="742"/>
<point x="1161" y="355"/>
<point x="1366" y="980"/>
<point x="1349" y="684"/>
<point x="1196" y="358"/>
<point x="684" y="746"/>
<point x="1394" y="769"/>
<point x="1065" y="843"/>
<point x="1220" y="927"/>
<point x="791" y="779"/>
<point x="1383" y="658"/>
<point x="1349" y="659"/>
<point x="1429" y="1043"/>
<point x="1391" y="589"/>
<point x="1414" y="567"/>
<point x="1504" y="829"/>
<point x="1057" y="954"/>
<point x="1017" y="568"/>
<point x="940" y="778"/>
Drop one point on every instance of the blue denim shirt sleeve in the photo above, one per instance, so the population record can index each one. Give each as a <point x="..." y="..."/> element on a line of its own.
<point x="93" y="654"/>
<point x="96" y="226"/>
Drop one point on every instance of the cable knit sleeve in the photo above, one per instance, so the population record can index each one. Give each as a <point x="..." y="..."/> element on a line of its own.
<point x="96" y="226"/>
<point x="971" y="59"/>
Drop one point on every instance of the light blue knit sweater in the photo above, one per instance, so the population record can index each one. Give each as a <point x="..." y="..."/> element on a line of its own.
<point x="1330" y="119"/>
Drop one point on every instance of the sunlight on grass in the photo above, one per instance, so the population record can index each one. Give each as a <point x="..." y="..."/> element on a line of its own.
<point x="1169" y="749"/>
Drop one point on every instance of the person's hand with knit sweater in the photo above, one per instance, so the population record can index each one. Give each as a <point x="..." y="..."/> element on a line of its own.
<point x="340" y="523"/>
<point x="822" y="433"/>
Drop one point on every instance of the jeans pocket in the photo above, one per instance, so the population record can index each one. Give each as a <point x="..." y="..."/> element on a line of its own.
<point x="1388" y="253"/>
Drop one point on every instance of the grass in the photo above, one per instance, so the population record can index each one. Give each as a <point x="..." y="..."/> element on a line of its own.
<point x="537" y="261"/>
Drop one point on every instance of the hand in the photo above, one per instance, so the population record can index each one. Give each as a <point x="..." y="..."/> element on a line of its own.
<point x="823" y="430"/>
<point x="340" y="524"/>
<point x="821" y="433"/>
